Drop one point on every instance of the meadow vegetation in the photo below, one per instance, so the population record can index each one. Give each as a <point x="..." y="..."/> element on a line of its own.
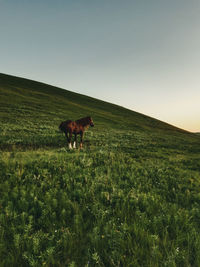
<point x="131" y="197"/>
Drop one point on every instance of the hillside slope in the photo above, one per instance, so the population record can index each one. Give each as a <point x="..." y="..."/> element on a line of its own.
<point x="30" y="111"/>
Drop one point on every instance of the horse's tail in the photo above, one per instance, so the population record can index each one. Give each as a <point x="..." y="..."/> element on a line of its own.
<point x="62" y="126"/>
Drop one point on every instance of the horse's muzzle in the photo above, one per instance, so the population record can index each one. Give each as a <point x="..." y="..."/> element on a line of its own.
<point x="92" y="124"/>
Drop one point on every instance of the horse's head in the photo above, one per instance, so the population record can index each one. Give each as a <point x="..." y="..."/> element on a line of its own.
<point x="91" y="123"/>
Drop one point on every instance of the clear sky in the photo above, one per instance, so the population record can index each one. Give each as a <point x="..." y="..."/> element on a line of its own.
<point x="140" y="54"/>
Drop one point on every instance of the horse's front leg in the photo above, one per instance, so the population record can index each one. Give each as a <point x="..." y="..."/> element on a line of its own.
<point x="81" y="143"/>
<point x="75" y="140"/>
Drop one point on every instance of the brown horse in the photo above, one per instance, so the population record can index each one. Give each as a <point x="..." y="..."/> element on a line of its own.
<point x="75" y="127"/>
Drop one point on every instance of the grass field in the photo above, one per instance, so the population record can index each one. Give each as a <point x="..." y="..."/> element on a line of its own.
<point x="131" y="197"/>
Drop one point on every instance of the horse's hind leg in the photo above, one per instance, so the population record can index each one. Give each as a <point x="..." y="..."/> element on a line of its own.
<point x="69" y="137"/>
<point x="69" y="141"/>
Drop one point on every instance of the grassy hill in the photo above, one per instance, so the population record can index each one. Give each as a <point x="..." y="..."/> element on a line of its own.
<point x="129" y="198"/>
<point x="31" y="112"/>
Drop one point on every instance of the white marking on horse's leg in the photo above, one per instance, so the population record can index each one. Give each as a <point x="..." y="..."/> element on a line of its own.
<point x="70" y="146"/>
<point x="74" y="146"/>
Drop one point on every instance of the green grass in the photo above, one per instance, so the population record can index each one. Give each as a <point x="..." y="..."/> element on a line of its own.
<point x="131" y="197"/>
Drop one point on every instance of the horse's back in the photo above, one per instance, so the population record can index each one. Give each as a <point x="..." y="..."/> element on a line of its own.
<point x="68" y="122"/>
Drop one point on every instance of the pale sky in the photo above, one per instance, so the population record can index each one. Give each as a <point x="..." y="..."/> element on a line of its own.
<point x="140" y="54"/>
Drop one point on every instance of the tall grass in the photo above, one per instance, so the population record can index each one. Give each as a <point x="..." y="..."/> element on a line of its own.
<point x="102" y="206"/>
<point x="129" y="198"/>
